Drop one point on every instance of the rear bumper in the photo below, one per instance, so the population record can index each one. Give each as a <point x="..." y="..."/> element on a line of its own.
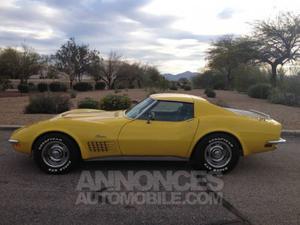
<point x="275" y="142"/>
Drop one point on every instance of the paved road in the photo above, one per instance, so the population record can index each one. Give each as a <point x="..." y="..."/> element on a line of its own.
<point x="264" y="189"/>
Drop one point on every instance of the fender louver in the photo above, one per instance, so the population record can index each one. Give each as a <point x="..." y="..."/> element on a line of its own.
<point x="97" y="146"/>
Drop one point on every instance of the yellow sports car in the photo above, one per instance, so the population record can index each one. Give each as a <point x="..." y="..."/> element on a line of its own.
<point x="163" y="125"/>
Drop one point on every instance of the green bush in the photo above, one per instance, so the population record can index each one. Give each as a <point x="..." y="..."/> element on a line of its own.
<point x="82" y="86"/>
<point x="48" y="103"/>
<point x="57" y="87"/>
<point x="210" y="93"/>
<point x="115" y="102"/>
<point x="23" y="88"/>
<point x="100" y="86"/>
<point x="187" y="88"/>
<point x="42" y="87"/>
<point x="277" y="96"/>
<point x="88" y="103"/>
<point x="261" y="90"/>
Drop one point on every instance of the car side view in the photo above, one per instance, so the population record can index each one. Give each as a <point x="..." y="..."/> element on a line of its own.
<point x="163" y="125"/>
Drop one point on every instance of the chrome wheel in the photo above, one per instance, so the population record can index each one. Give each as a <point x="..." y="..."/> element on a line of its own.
<point x="218" y="154"/>
<point x="55" y="154"/>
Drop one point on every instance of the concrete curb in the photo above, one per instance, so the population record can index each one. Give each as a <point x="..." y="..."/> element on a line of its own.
<point x="290" y="133"/>
<point x="284" y="132"/>
<point x="10" y="127"/>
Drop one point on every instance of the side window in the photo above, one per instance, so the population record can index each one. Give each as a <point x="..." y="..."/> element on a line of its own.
<point x="170" y="111"/>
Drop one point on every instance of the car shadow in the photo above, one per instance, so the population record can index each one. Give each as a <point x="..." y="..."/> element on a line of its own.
<point x="135" y="165"/>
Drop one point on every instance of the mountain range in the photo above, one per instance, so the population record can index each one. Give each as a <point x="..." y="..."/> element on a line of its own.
<point x="176" y="77"/>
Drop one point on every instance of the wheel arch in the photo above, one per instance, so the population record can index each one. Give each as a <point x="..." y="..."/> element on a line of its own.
<point x="241" y="151"/>
<point x="56" y="132"/>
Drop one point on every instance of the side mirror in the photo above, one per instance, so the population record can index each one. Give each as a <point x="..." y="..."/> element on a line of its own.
<point x="151" y="116"/>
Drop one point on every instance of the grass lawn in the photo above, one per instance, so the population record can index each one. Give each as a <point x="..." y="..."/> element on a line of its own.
<point x="11" y="108"/>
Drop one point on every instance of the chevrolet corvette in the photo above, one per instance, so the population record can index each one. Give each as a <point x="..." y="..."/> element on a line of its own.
<point x="179" y="126"/>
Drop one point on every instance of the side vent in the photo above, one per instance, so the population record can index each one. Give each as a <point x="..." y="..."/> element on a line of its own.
<point x="103" y="146"/>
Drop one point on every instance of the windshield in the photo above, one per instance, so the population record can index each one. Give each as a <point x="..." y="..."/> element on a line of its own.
<point x="139" y="108"/>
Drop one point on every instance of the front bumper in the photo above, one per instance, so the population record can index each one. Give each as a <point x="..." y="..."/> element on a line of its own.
<point x="13" y="141"/>
<point x="275" y="142"/>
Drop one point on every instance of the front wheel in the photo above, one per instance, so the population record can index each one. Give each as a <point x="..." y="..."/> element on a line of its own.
<point x="56" y="153"/>
<point x="217" y="153"/>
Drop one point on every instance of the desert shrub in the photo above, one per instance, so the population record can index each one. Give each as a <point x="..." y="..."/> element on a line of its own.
<point x="23" y="88"/>
<point x="100" y="86"/>
<point x="261" y="90"/>
<point x="245" y="76"/>
<point x="42" y="87"/>
<point x="57" y="87"/>
<point x="120" y="86"/>
<point x="48" y="103"/>
<point x="187" y="88"/>
<point x="82" y="86"/>
<point x="291" y="84"/>
<point x="278" y="96"/>
<point x="5" y="84"/>
<point x="173" y="88"/>
<point x="182" y="82"/>
<point x="31" y="87"/>
<point x="88" y="103"/>
<point x="72" y="93"/>
<point x="131" y="86"/>
<point x="210" y="93"/>
<point x="115" y="102"/>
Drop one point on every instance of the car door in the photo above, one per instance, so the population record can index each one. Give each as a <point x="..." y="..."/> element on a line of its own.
<point x="166" y="129"/>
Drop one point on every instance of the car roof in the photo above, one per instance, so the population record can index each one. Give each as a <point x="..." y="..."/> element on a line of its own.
<point x="176" y="97"/>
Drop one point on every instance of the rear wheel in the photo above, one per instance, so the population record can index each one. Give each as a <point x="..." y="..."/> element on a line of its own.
<point x="217" y="153"/>
<point x="56" y="153"/>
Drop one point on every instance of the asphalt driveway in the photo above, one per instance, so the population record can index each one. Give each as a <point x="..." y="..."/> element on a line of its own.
<point x="263" y="189"/>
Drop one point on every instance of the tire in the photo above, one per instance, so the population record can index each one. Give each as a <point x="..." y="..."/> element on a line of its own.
<point x="56" y="153"/>
<point x="217" y="152"/>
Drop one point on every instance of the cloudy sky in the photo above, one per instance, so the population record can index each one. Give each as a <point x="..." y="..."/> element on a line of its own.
<point x="170" y="34"/>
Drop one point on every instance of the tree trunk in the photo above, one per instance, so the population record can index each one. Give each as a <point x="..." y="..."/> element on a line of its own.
<point x="274" y="74"/>
<point x="229" y="79"/>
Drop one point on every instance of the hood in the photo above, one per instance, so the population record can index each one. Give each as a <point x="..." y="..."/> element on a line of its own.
<point x="90" y="114"/>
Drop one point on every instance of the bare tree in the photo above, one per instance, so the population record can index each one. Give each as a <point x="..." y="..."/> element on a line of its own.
<point x="278" y="41"/>
<point x="74" y="59"/>
<point x="110" y="68"/>
<point x="130" y="74"/>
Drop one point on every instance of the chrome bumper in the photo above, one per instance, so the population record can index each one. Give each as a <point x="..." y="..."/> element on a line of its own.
<point x="13" y="141"/>
<point x="279" y="141"/>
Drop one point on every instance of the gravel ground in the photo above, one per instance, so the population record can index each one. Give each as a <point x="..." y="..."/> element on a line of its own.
<point x="11" y="108"/>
